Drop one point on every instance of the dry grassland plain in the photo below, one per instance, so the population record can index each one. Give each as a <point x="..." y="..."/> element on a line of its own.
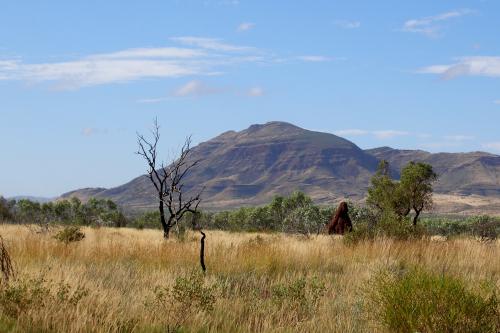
<point x="118" y="280"/>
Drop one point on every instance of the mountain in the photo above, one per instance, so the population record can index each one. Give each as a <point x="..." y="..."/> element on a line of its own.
<point x="459" y="173"/>
<point x="251" y="166"/>
<point x="31" y="198"/>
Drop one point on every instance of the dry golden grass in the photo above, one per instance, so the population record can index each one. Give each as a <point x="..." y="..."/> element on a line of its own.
<point x="121" y="267"/>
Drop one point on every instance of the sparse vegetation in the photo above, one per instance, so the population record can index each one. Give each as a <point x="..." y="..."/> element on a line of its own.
<point x="415" y="300"/>
<point x="255" y="282"/>
<point x="70" y="234"/>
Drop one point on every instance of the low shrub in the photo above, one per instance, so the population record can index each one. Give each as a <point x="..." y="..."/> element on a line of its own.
<point x="300" y="297"/>
<point x="26" y="294"/>
<point x="189" y="295"/>
<point x="414" y="300"/>
<point x="387" y="225"/>
<point x="70" y="234"/>
<point x="486" y="228"/>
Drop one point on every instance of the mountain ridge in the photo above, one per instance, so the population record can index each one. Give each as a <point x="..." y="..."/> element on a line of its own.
<point x="249" y="167"/>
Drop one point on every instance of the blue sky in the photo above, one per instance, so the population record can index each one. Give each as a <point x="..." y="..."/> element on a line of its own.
<point x="79" y="78"/>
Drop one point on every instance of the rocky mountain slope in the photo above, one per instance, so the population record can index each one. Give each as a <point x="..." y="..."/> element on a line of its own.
<point x="251" y="166"/>
<point x="459" y="173"/>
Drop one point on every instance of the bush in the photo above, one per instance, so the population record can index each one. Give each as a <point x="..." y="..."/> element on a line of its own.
<point x="486" y="228"/>
<point x="387" y="225"/>
<point x="414" y="300"/>
<point x="446" y="226"/>
<point x="27" y="294"/>
<point x="189" y="295"/>
<point x="299" y="297"/>
<point x="70" y="234"/>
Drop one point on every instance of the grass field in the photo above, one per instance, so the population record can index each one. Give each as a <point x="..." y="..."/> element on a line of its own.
<point x="121" y="280"/>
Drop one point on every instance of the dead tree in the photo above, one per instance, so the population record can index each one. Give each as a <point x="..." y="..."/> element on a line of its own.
<point x="168" y="180"/>
<point x="177" y="204"/>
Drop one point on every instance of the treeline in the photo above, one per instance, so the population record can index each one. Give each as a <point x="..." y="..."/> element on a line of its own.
<point x="294" y="214"/>
<point x="291" y="214"/>
<point x="96" y="212"/>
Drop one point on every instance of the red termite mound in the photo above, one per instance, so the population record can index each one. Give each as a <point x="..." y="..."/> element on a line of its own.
<point x="340" y="222"/>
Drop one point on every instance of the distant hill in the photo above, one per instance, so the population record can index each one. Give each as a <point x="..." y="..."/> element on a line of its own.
<point x="459" y="173"/>
<point x="251" y="166"/>
<point x="31" y="198"/>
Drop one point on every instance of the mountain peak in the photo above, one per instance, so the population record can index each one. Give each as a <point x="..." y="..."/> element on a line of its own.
<point x="273" y="126"/>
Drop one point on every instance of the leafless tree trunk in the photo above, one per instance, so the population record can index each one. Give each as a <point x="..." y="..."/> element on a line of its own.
<point x="202" y="251"/>
<point x="168" y="181"/>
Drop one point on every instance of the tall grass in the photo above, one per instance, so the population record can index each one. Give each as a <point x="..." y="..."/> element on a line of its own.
<point x="126" y="280"/>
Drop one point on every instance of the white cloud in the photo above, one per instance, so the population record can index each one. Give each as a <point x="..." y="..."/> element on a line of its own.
<point x="458" y="138"/>
<point x="351" y="132"/>
<point x="389" y="134"/>
<point x="159" y="52"/>
<point x="245" y="26"/>
<point x="429" y="25"/>
<point x="255" y="92"/>
<point x="497" y="101"/>
<point x="211" y="44"/>
<point x="466" y="66"/>
<point x="345" y="24"/>
<point x="380" y="134"/>
<point x="152" y="100"/>
<point x="440" y="145"/>
<point x="205" y="56"/>
<point x="424" y="135"/>
<point x="314" y="58"/>
<point x="195" y="88"/>
<point x="90" y="131"/>
<point x="493" y="146"/>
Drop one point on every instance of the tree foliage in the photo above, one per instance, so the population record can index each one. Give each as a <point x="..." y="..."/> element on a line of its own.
<point x="95" y="212"/>
<point x="413" y="192"/>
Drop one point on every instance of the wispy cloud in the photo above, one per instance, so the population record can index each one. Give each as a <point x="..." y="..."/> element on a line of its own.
<point x="203" y="56"/>
<point x="195" y="57"/>
<point x="211" y="44"/>
<point x="497" y="101"/>
<point x="346" y="24"/>
<point x="195" y="88"/>
<point x="380" y="134"/>
<point x="314" y="58"/>
<point x="245" y="26"/>
<point x="158" y="52"/>
<point x="389" y="134"/>
<point x="351" y="132"/>
<point x="152" y="100"/>
<point x="492" y="146"/>
<point x="466" y="66"/>
<point x="255" y="92"/>
<point x="90" y="131"/>
<point x="430" y="25"/>
<point x="458" y="138"/>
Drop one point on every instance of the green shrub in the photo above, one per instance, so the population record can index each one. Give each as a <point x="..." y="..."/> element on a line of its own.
<point x="70" y="234"/>
<point x="414" y="300"/>
<point x="188" y="296"/>
<point x="299" y="297"/>
<point x="27" y="294"/>
<point x="361" y="232"/>
<point x="387" y="225"/>
<point x="447" y="226"/>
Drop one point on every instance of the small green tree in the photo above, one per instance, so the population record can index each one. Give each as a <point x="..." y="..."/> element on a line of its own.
<point x="412" y="192"/>
<point x="384" y="193"/>
<point x="416" y="186"/>
<point x="6" y="209"/>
